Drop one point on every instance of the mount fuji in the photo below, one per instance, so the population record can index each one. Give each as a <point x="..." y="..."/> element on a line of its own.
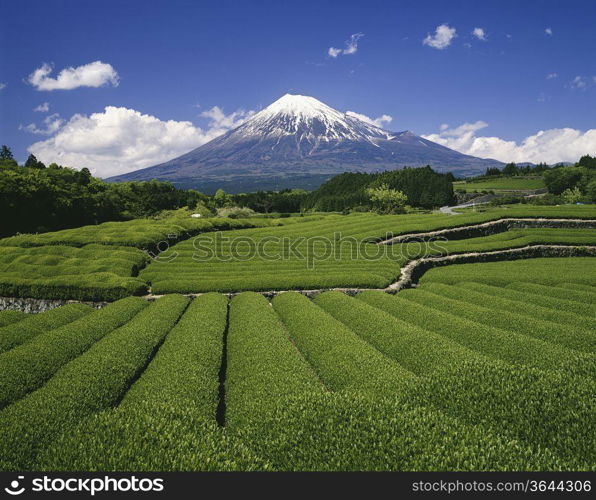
<point x="298" y="141"/>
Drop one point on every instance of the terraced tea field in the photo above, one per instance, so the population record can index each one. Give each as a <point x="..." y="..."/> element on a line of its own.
<point x="118" y="259"/>
<point x="95" y="263"/>
<point x="477" y="374"/>
<point x="501" y="184"/>
<point x="140" y="233"/>
<point x="336" y="252"/>
<point x="91" y="272"/>
<point x="482" y="366"/>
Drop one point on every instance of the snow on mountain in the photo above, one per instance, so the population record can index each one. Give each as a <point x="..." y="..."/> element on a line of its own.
<point x="311" y="120"/>
<point x="298" y="141"/>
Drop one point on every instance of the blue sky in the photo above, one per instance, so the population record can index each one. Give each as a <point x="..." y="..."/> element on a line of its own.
<point x="174" y="60"/>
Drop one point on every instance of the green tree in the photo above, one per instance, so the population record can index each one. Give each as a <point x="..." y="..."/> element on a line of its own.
<point x="84" y="176"/>
<point x="6" y="153"/>
<point x="510" y="169"/>
<point x="386" y="200"/>
<point x="221" y="199"/>
<point x="572" y="195"/>
<point x="591" y="191"/>
<point x="587" y="161"/>
<point x="33" y="162"/>
<point x="558" y="180"/>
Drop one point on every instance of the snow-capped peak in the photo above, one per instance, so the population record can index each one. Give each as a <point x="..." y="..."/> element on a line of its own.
<point x="303" y="105"/>
<point x="309" y="119"/>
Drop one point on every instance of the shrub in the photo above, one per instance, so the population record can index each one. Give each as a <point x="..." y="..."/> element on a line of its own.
<point x="26" y="367"/>
<point x="93" y="272"/>
<point x="90" y="383"/>
<point x="545" y="410"/>
<point x="557" y="310"/>
<point x="445" y="298"/>
<point x="235" y="212"/>
<point x="580" y="296"/>
<point x="341" y="432"/>
<point x="414" y="348"/>
<point x="544" y="271"/>
<point x="578" y="286"/>
<point x="91" y="287"/>
<point x="28" y="328"/>
<point x="342" y="359"/>
<point x="264" y="282"/>
<point x="148" y="438"/>
<point x="11" y="317"/>
<point x="262" y="364"/>
<point x="218" y="264"/>
<point x="166" y="421"/>
<point x="184" y="372"/>
<point x="141" y="233"/>
<point x="511" y="346"/>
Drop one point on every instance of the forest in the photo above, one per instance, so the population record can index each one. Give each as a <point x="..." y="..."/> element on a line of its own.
<point x="36" y="198"/>
<point x="423" y="187"/>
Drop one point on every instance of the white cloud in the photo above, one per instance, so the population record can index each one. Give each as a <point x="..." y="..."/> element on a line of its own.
<point x="352" y="43"/>
<point x="548" y="31"/>
<point x="479" y="33"/>
<point x="442" y="37"/>
<point x="42" y="108"/>
<point x="380" y="121"/>
<point x="2" y="86"/>
<point x="220" y="122"/>
<point x="550" y="76"/>
<point x="550" y="146"/>
<point x="582" y="82"/>
<point x="94" y="74"/>
<point x="119" y="140"/>
<point x="52" y="125"/>
<point x="351" y="46"/>
<point x="333" y="52"/>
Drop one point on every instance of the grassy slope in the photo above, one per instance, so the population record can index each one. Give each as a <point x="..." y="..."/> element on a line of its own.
<point x="501" y="183"/>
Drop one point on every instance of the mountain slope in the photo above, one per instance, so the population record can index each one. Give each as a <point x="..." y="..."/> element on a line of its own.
<point x="300" y="142"/>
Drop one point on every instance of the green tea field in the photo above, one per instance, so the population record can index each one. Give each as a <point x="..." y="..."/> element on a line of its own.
<point x="481" y="365"/>
<point x="501" y="184"/>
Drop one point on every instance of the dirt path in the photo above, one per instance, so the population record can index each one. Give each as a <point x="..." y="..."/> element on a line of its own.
<point x="481" y="200"/>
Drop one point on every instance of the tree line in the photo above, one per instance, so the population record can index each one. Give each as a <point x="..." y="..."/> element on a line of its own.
<point x="576" y="182"/>
<point x="38" y="198"/>
<point x="419" y="187"/>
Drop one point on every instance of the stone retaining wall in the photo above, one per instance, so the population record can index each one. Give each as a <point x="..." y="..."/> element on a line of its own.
<point x="39" y="305"/>
<point x="492" y="227"/>
<point x="411" y="272"/>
